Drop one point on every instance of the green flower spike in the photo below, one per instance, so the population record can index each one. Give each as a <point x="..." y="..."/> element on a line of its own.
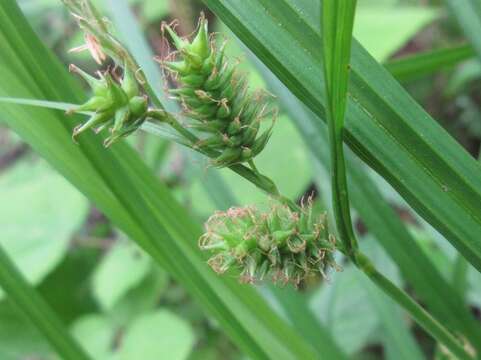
<point x="216" y="97"/>
<point x="281" y="244"/>
<point x="119" y="107"/>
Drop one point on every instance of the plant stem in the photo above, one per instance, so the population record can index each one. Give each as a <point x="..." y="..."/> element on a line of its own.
<point x="252" y="175"/>
<point x="422" y="317"/>
<point x="37" y="310"/>
<point x="337" y="23"/>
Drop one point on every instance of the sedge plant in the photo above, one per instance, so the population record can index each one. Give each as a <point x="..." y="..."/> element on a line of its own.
<point x="288" y="242"/>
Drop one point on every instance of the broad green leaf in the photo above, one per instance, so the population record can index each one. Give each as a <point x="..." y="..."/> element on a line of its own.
<point x="128" y="193"/>
<point x="384" y="125"/>
<point x="157" y="335"/>
<point x="152" y="335"/>
<point x="122" y="268"/>
<point x="143" y="298"/>
<point x="96" y="334"/>
<point x="37" y="236"/>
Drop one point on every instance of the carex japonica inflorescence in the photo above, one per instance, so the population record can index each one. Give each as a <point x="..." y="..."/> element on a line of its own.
<point x="217" y="98"/>
<point x="120" y="107"/>
<point x="282" y="244"/>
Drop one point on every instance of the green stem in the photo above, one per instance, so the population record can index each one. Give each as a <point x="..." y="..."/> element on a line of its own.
<point x="37" y="310"/>
<point x="261" y="181"/>
<point x="422" y="317"/>
<point x="337" y="23"/>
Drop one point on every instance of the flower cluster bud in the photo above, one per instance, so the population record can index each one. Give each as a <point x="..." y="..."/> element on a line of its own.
<point x="118" y="106"/>
<point x="281" y="244"/>
<point x="216" y="97"/>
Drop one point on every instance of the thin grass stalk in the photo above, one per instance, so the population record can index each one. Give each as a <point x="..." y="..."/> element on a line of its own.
<point x="337" y="21"/>
<point x="36" y="309"/>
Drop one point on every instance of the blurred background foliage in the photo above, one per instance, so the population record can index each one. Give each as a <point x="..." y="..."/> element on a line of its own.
<point x="122" y="306"/>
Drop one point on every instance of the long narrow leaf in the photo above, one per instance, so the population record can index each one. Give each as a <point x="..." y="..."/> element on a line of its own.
<point x="468" y="15"/>
<point x="29" y="302"/>
<point x="416" y="66"/>
<point x="337" y="21"/>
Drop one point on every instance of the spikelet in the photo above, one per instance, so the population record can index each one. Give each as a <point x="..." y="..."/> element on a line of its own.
<point x="217" y="98"/>
<point x="280" y="244"/>
<point x="119" y="107"/>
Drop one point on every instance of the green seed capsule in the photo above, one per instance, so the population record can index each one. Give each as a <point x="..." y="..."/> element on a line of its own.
<point x="179" y="67"/>
<point x="214" y="126"/>
<point x="191" y="58"/>
<point x="129" y="83"/>
<point x="206" y="110"/>
<point x="95" y="120"/>
<point x="120" y="119"/>
<point x="261" y="142"/>
<point x="193" y="80"/>
<point x="138" y="106"/>
<point x="212" y="141"/>
<point x="179" y="43"/>
<point x="234" y="127"/>
<point x="246" y="154"/>
<point x="229" y="156"/>
<point x="200" y="44"/>
<point x="208" y="65"/>
<point x="234" y="141"/>
<point x="250" y="133"/>
<point x="99" y="87"/>
<point x="224" y="110"/>
<point x="94" y="103"/>
<point x="185" y="91"/>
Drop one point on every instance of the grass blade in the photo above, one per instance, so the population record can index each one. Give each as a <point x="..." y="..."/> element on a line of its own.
<point x="468" y="15"/>
<point x="419" y="65"/>
<point x="337" y="23"/>
<point x="27" y="300"/>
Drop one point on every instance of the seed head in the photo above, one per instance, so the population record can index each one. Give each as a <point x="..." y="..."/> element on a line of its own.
<point x="120" y="107"/>
<point x="216" y="97"/>
<point x="284" y="245"/>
